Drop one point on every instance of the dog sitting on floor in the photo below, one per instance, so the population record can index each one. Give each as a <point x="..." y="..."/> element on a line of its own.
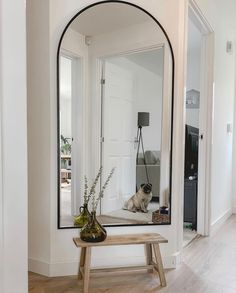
<point x="140" y="200"/>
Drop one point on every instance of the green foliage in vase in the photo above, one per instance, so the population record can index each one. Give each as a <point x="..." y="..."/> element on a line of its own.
<point x="83" y="217"/>
<point x="65" y="146"/>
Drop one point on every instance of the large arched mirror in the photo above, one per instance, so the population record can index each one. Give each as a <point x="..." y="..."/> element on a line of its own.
<point x="115" y="109"/>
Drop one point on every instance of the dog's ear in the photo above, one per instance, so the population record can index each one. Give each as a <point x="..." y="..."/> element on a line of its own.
<point x="142" y="184"/>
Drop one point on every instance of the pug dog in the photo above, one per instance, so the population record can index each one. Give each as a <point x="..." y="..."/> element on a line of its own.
<point x="140" y="200"/>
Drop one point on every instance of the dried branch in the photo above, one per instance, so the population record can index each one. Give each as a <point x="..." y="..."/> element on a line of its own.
<point x="101" y="193"/>
<point x="92" y="190"/>
<point x="85" y="190"/>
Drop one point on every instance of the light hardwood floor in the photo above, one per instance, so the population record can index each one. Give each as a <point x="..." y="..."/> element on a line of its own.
<point x="209" y="266"/>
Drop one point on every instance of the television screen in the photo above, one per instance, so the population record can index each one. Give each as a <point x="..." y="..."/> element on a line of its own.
<point x="191" y="151"/>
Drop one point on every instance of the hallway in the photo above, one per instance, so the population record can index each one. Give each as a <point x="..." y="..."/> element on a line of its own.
<point x="208" y="267"/>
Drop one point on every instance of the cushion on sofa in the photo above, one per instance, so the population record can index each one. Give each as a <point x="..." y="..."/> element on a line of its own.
<point x="152" y="157"/>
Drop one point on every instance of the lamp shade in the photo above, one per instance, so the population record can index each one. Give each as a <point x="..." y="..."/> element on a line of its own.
<point x="143" y="119"/>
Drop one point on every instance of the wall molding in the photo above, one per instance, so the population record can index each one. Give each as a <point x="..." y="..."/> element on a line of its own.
<point x="215" y="226"/>
<point x="205" y="116"/>
<point x="39" y="267"/>
<point x="69" y="268"/>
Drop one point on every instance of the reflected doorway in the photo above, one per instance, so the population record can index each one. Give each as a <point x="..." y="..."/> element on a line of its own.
<point x="132" y="89"/>
<point x="71" y="135"/>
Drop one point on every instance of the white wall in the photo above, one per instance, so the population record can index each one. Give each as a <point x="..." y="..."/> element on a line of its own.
<point x="193" y="82"/>
<point x="109" y="44"/>
<point x="221" y="15"/>
<point x="39" y="140"/>
<point x="234" y="155"/>
<point x="60" y="257"/>
<point x="192" y="117"/>
<point x="13" y="148"/>
<point x="65" y="96"/>
<point x="193" y="70"/>
<point x="65" y="117"/>
<point x="149" y="99"/>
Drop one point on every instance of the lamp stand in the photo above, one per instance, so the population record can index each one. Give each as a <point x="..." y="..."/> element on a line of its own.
<point x="140" y="141"/>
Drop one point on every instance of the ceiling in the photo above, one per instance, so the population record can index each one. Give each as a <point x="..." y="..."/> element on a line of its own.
<point x="108" y="17"/>
<point x="150" y="60"/>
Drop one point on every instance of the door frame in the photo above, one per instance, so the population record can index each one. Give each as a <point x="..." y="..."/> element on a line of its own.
<point x="98" y="113"/>
<point x="78" y="59"/>
<point x="205" y="117"/>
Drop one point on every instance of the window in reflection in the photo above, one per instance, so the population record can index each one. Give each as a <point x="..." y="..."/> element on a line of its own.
<point x="71" y="135"/>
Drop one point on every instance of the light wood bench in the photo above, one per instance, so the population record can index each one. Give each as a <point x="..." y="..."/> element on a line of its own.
<point x="151" y="242"/>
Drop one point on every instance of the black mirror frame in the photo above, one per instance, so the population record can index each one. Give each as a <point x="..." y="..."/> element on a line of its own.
<point x="58" y="109"/>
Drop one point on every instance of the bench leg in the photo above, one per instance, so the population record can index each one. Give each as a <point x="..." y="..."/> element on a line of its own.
<point x="81" y="262"/>
<point x="148" y="250"/>
<point x="158" y="265"/>
<point x="87" y="269"/>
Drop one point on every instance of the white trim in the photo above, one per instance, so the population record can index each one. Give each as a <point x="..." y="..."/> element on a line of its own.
<point x="70" y="268"/>
<point x="220" y="221"/>
<point x="140" y="49"/>
<point x="13" y="148"/>
<point x="198" y="18"/>
<point x="179" y="126"/>
<point x="205" y="117"/>
<point x="80" y="57"/>
<point x="1" y="179"/>
<point x="39" y="267"/>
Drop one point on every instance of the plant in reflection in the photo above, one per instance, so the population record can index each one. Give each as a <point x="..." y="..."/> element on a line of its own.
<point x="93" y="231"/>
<point x="65" y="145"/>
<point x="65" y="151"/>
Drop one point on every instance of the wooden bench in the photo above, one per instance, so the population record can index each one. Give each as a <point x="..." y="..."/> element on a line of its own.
<point x="151" y="242"/>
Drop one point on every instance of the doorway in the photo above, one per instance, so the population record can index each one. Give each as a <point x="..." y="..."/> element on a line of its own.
<point x="199" y="96"/>
<point x="71" y="135"/>
<point x="132" y="88"/>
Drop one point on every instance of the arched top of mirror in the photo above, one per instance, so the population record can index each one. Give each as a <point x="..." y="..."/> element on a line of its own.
<point x="124" y="44"/>
<point x="124" y="16"/>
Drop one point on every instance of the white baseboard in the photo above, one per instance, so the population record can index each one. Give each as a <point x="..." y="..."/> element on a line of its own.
<point x="39" y="267"/>
<point x="71" y="268"/>
<point x="219" y="221"/>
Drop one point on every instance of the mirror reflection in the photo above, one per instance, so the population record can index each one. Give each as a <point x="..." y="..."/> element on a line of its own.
<point x="115" y="105"/>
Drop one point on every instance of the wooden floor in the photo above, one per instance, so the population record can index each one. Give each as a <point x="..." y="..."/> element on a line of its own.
<point x="209" y="266"/>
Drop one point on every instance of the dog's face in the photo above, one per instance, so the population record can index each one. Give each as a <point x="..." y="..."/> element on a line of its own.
<point x="146" y="187"/>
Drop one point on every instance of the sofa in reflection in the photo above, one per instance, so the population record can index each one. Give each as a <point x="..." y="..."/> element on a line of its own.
<point x="153" y="161"/>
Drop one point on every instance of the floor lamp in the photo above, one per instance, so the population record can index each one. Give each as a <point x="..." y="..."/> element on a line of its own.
<point x="143" y="120"/>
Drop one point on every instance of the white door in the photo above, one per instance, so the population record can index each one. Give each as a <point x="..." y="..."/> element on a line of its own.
<point x="119" y="127"/>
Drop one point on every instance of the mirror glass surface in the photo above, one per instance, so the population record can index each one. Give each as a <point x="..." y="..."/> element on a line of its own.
<point x="115" y="100"/>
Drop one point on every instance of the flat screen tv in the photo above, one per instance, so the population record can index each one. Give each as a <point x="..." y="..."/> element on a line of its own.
<point x="191" y="151"/>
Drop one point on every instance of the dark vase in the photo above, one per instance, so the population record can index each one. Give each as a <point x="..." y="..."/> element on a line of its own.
<point x="83" y="218"/>
<point x="93" y="231"/>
